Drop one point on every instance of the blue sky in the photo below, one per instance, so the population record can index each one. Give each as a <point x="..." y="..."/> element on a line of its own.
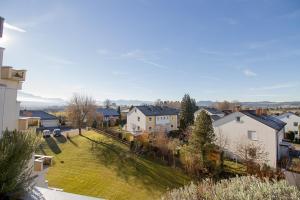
<point x="149" y="49"/>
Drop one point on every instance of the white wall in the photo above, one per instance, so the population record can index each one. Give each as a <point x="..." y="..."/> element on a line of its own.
<point x="50" y="123"/>
<point x="9" y="108"/>
<point x="162" y="120"/>
<point x="236" y="133"/>
<point x="133" y="123"/>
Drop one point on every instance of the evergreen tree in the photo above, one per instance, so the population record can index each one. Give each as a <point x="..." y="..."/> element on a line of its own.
<point x="202" y="138"/>
<point x="16" y="151"/>
<point x="188" y="108"/>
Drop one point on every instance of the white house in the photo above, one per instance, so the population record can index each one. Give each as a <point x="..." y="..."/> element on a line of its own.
<point x="244" y="127"/>
<point x="46" y="120"/>
<point x="212" y="112"/>
<point x="292" y="121"/>
<point x="10" y="82"/>
<point x="151" y="118"/>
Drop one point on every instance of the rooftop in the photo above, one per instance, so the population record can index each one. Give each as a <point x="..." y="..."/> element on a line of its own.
<point x="213" y="111"/>
<point x="157" y="110"/>
<point x="37" y="113"/>
<point x="107" y="111"/>
<point x="270" y="121"/>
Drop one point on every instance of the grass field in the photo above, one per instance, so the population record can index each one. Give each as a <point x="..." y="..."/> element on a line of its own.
<point x="95" y="165"/>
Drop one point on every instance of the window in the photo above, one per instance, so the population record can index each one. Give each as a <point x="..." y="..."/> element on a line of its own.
<point x="134" y="110"/>
<point x="150" y="128"/>
<point x="171" y="125"/>
<point x="252" y="135"/>
<point x="238" y="119"/>
<point x="139" y="118"/>
<point x="150" y="118"/>
<point x="296" y="124"/>
<point x="138" y="128"/>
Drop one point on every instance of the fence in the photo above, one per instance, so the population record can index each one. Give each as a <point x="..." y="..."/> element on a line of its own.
<point x="112" y="134"/>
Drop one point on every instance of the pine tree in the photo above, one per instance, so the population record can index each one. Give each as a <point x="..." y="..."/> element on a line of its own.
<point x="188" y="107"/>
<point x="202" y="138"/>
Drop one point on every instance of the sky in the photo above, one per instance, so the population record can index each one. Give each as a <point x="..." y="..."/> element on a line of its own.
<point x="156" y="49"/>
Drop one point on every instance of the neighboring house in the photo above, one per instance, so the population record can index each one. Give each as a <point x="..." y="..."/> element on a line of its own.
<point x="212" y="112"/>
<point x="108" y="114"/>
<point x="46" y="120"/>
<point x="292" y="121"/>
<point x="244" y="127"/>
<point x="151" y="118"/>
<point x="10" y="82"/>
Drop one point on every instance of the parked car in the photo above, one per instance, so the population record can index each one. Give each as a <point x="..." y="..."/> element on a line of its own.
<point x="46" y="133"/>
<point x="56" y="132"/>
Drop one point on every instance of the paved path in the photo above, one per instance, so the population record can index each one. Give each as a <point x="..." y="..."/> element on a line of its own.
<point x="292" y="178"/>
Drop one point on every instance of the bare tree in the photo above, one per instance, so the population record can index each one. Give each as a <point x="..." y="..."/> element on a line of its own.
<point x="173" y="146"/>
<point x="221" y="139"/>
<point x="253" y="155"/>
<point x="107" y="103"/>
<point x="79" y="109"/>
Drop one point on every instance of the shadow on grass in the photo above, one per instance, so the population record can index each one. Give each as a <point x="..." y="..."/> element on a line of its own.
<point x="72" y="142"/>
<point x="127" y="165"/>
<point x="61" y="139"/>
<point x="53" y="145"/>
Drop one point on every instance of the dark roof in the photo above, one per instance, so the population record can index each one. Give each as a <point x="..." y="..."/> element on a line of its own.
<point x="212" y="110"/>
<point x="215" y="117"/>
<point x="157" y="110"/>
<point x="37" y="113"/>
<point x="107" y="111"/>
<point x="265" y="119"/>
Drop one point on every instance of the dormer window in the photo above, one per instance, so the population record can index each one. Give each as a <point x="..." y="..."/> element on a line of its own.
<point x="238" y="119"/>
<point x="138" y="118"/>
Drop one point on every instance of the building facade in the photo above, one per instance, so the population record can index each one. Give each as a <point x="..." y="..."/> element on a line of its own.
<point x="10" y="82"/>
<point x="292" y="122"/>
<point x="245" y="127"/>
<point x="152" y="119"/>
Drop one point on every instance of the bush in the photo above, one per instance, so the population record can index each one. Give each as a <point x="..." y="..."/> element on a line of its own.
<point x="290" y="135"/>
<point x="16" y="150"/>
<point x="239" y="188"/>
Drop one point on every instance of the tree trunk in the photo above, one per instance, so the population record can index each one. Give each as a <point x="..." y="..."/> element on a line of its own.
<point x="79" y="129"/>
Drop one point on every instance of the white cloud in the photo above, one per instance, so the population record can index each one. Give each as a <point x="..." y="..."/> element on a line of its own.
<point x="249" y="73"/>
<point x="276" y="87"/>
<point x="13" y="28"/>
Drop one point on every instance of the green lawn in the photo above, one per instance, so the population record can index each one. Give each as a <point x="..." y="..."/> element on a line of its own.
<point x="95" y="165"/>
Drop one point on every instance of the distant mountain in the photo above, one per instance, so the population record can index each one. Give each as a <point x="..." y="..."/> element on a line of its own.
<point x="205" y="103"/>
<point x="30" y="101"/>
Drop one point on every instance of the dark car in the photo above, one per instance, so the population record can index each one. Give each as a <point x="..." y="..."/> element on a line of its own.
<point x="56" y="132"/>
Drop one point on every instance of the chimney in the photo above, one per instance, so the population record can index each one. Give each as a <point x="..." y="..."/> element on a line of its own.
<point x="237" y="108"/>
<point x="1" y="26"/>
<point x="259" y="111"/>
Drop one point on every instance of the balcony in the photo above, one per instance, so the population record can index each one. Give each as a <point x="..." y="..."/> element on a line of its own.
<point x="12" y="74"/>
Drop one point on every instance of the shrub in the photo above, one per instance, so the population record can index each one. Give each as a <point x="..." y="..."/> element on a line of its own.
<point x="16" y="151"/>
<point x="239" y="188"/>
<point x="290" y="135"/>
